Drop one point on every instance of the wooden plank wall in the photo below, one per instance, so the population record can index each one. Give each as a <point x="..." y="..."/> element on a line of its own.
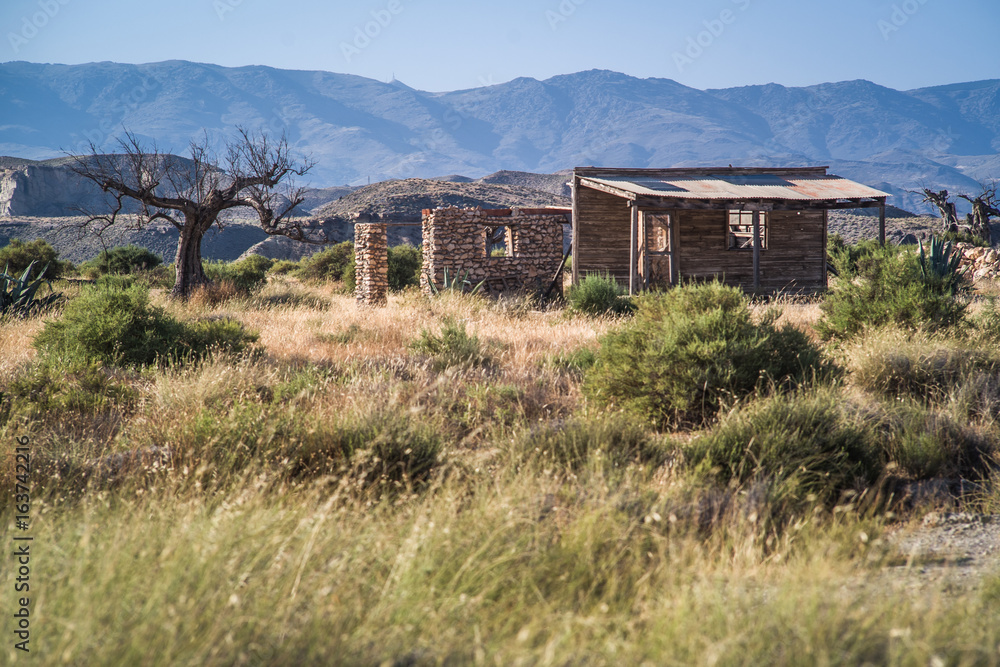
<point x="603" y="234"/>
<point x="795" y="259"/>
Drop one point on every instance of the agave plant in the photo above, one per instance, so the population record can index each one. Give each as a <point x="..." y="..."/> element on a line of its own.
<point x="460" y="283"/>
<point x="17" y="295"/>
<point x="939" y="265"/>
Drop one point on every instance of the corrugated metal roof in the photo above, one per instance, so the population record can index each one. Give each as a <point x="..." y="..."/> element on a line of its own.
<point x="739" y="187"/>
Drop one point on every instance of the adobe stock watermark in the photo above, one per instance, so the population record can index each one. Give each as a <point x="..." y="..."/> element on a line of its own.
<point x="122" y="106"/>
<point x="714" y="29"/>
<point x="944" y="140"/>
<point x="223" y="7"/>
<point x="366" y="34"/>
<point x="901" y="15"/>
<point x="562" y="13"/>
<point x="33" y="23"/>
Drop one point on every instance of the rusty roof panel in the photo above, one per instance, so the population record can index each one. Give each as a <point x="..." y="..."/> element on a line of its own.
<point x="740" y="187"/>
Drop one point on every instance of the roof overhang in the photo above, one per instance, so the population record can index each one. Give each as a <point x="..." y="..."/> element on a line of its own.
<point x="714" y="188"/>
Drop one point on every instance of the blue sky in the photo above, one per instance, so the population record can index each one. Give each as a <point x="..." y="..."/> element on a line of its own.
<point x="446" y="45"/>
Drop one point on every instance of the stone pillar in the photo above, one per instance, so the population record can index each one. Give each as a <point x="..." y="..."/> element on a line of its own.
<point x="371" y="256"/>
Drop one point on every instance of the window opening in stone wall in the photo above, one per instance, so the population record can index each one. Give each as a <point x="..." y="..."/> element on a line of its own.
<point x="741" y="230"/>
<point x="498" y="241"/>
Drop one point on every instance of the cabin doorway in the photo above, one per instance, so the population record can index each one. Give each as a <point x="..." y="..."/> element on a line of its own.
<point x="657" y="245"/>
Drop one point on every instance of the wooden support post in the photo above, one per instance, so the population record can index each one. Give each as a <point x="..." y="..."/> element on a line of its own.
<point x="881" y="223"/>
<point x="672" y="235"/>
<point x="633" y="261"/>
<point x="575" y="227"/>
<point x="756" y="250"/>
<point x="644" y="249"/>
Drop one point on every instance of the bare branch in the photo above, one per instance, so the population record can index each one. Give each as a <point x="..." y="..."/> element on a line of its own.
<point x="191" y="194"/>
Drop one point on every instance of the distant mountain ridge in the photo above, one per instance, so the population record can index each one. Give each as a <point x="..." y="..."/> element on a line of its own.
<point x="359" y="129"/>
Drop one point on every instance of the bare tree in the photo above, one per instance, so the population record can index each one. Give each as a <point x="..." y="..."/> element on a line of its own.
<point x="144" y="185"/>
<point x="984" y="205"/>
<point x="949" y="214"/>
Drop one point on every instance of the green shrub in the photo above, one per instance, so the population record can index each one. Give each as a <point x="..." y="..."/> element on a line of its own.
<point x="613" y="440"/>
<point x="577" y="361"/>
<point x="284" y="267"/>
<point x="453" y="346"/>
<point x="926" y="443"/>
<point x="122" y="260"/>
<point x="121" y="327"/>
<point x="53" y="386"/>
<point x="926" y="368"/>
<point x="845" y="257"/>
<point x="350" y="275"/>
<point x="17" y="255"/>
<point x="598" y="294"/>
<point x="689" y="351"/>
<point x="987" y="321"/>
<point x="327" y="265"/>
<point x="111" y="325"/>
<point x="246" y="275"/>
<point x="405" y="262"/>
<point x="217" y="334"/>
<point x="379" y="448"/>
<point x="800" y="444"/>
<point x="887" y="288"/>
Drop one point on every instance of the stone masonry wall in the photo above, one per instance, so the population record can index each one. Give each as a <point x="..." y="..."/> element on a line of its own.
<point x="455" y="238"/>
<point x="371" y="253"/>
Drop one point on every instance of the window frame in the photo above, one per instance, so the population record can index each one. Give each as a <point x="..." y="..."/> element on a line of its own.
<point x="744" y="228"/>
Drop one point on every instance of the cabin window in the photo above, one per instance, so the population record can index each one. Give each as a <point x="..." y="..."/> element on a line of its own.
<point x="740" y="230"/>
<point x="499" y="241"/>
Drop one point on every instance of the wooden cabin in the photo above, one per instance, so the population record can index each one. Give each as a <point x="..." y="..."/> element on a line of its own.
<point x="758" y="229"/>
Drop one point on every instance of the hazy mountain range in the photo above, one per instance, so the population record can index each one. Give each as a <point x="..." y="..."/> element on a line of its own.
<point x="359" y="129"/>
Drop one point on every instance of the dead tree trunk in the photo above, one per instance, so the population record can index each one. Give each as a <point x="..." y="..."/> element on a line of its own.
<point x="949" y="214"/>
<point x="190" y="272"/>
<point x="192" y="194"/>
<point x="984" y="205"/>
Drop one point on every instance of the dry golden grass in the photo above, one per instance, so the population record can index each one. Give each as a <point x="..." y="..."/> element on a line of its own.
<point x="321" y="325"/>
<point x="15" y="344"/>
<point x="493" y="562"/>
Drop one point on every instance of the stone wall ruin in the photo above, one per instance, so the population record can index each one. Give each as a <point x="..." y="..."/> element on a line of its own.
<point x="371" y="256"/>
<point x="459" y="240"/>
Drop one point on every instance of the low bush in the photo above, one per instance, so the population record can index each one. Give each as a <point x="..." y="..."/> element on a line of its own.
<point x="350" y="276"/>
<point x="986" y="323"/>
<point x="893" y="363"/>
<point x="405" y="262"/>
<point x="598" y="294"/>
<point x="925" y="443"/>
<point x="376" y="449"/>
<point x="691" y="350"/>
<point x="121" y="327"/>
<point x="122" y="260"/>
<point x="53" y="386"/>
<point x="246" y="275"/>
<point x="887" y="288"/>
<point x="17" y="255"/>
<point x="613" y="440"/>
<point x="283" y="267"/>
<point x="328" y="264"/>
<point x="225" y="335"/>
<point x="799" y="445"/>
<point x="453" y="346"/>
<point x="845" y="257"/>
